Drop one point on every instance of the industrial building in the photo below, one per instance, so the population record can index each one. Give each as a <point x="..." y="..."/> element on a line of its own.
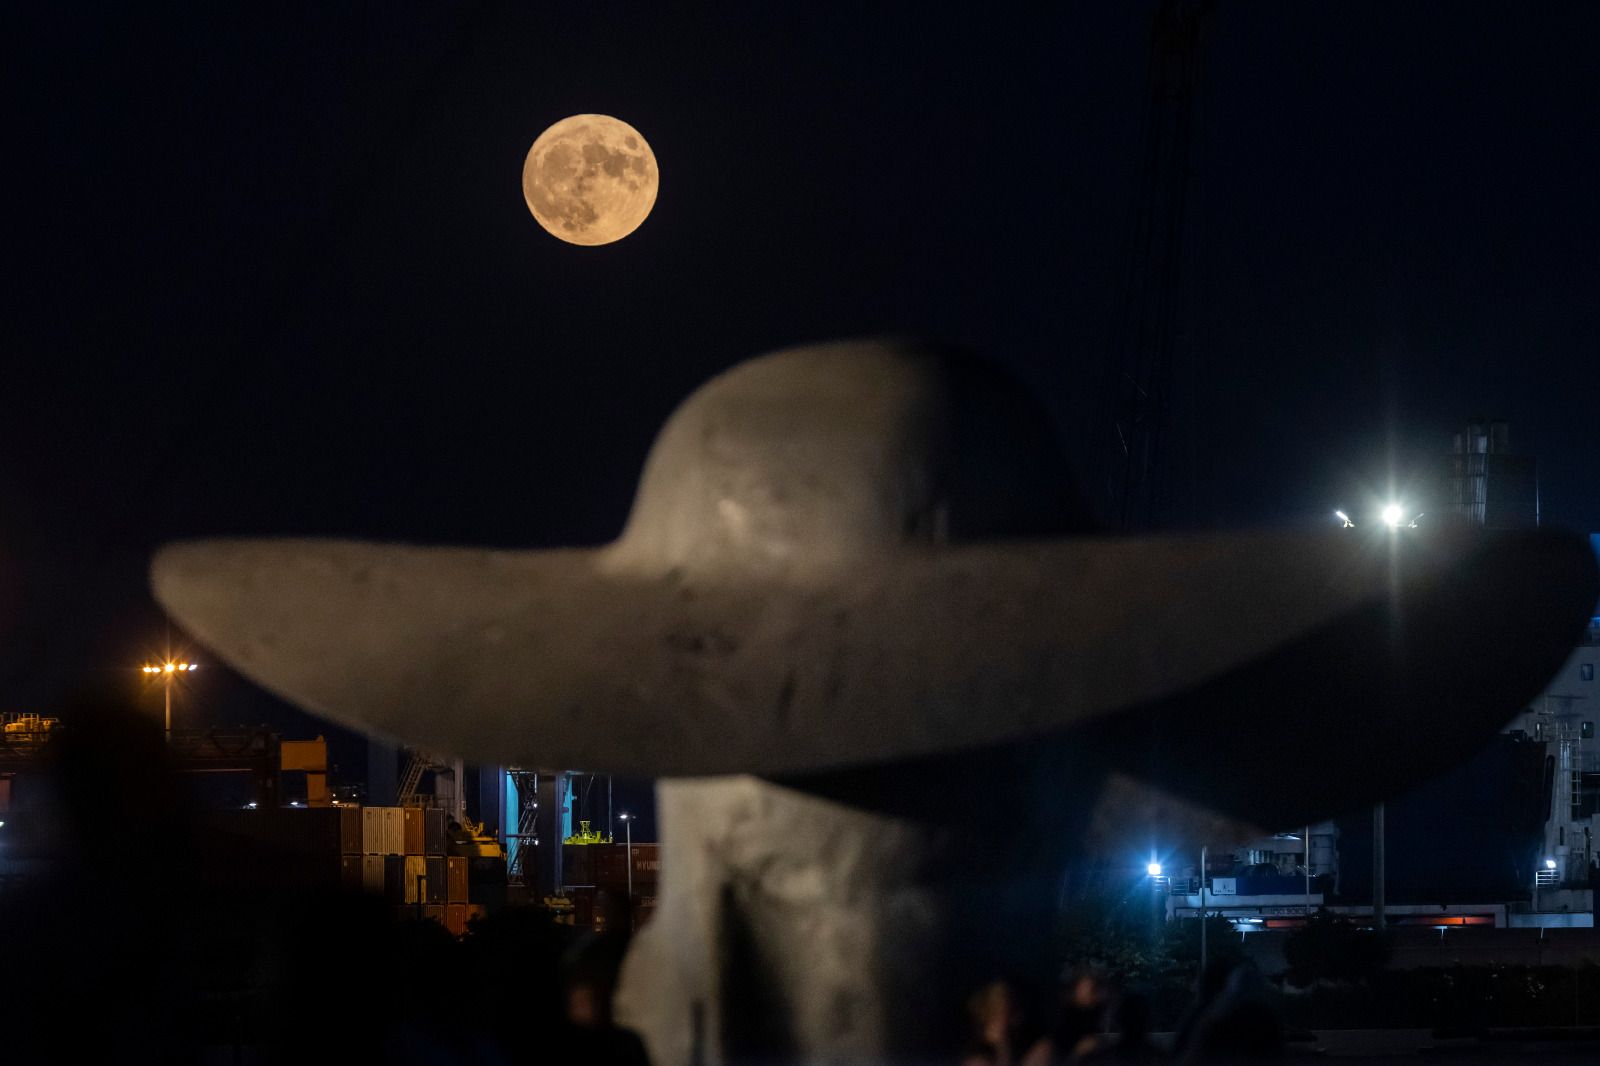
<point x="1561" y="722"/>
<point x="1507" y="840"/>
<point x="1483" y="483"/>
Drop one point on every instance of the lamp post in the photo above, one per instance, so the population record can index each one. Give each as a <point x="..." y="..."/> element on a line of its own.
<point x="627" y="823"/>
<point x="167" y="671"/>
<point x="1308" y="872"/>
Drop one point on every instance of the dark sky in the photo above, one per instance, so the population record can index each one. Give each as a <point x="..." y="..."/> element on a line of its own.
<point x="270" y="270"/>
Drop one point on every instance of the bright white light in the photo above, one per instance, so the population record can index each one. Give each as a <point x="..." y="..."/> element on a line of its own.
<point x="1393" y="515"/>
<point x="1341" y="516"/>
<point x="1549" y="864"/>
<point x="1154" y="869"/>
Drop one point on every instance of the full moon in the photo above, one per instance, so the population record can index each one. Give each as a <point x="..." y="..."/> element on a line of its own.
<point x="590" y="179"/>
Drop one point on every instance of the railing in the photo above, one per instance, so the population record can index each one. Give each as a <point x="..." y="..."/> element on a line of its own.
<point x="24" y="735"/>
<point x="1190" y="886"/>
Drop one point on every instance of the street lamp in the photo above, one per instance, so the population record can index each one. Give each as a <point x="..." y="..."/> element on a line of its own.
<point x="1393" y="515"/>
<point x="167" y="671"/>
<point x="627" y="823"/>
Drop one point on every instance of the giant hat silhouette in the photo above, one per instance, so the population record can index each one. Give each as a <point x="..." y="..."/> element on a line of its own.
<point x="853" y="553"/>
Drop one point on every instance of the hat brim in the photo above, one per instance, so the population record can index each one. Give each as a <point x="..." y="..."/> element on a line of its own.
<point x="562" y="658"/>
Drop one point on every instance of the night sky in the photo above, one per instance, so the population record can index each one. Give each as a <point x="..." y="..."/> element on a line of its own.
<point x="270" y="271"/>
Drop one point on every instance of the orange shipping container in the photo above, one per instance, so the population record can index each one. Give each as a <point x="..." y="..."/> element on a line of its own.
<point x="413" y="829"/>
<point x="455" y="918"/>
<point x="351" y="830"/>
<point x="457" y="879"/>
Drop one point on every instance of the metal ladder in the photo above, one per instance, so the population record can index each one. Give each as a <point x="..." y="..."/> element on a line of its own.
<point x="518" y="857"/>
<point x="419" y="763"/>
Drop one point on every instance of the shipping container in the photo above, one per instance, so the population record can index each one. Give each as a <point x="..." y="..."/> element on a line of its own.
<point x="350" y="873"/>
<point x="372" y="831"/>
<point x="394" y="878"/>
<point x="456" y="879"/>
<point x="309" y="830"/>
<point x="351" y="832"/>
<point x="646" y="868"/>
<point x="394" y="831"/>
<point x="611" y="867"/>
<point x="413" y="830"/>
<point x="267" y="851"/>
<point x="455" y="918"/>
<point x="610" y="909"/>
<point x="644" y="909"/>
<point x="577" y="863"/>
<point x="305" y="831"/>
<point x="486" y="881"/>
<point x="372" y="874"/>
<point x="582" y="897"/>
<point x="434" y="913"/>
<point x="608" y="865"/>
<point x="435" y="841"/>
<point x="416" y="872"/>
<point x="475" y="912"/>
<point x="438" y="881"/>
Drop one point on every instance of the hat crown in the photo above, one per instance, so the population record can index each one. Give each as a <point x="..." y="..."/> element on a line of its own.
<point x="817" y="456"/>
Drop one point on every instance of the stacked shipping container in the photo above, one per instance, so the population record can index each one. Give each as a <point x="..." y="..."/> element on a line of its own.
<point x="418" y="876"/>
<point x="398" y="854"/>
<point x="596" y="878"/>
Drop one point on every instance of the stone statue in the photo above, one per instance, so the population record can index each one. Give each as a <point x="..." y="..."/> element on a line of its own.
<point x="894" y="682"/>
